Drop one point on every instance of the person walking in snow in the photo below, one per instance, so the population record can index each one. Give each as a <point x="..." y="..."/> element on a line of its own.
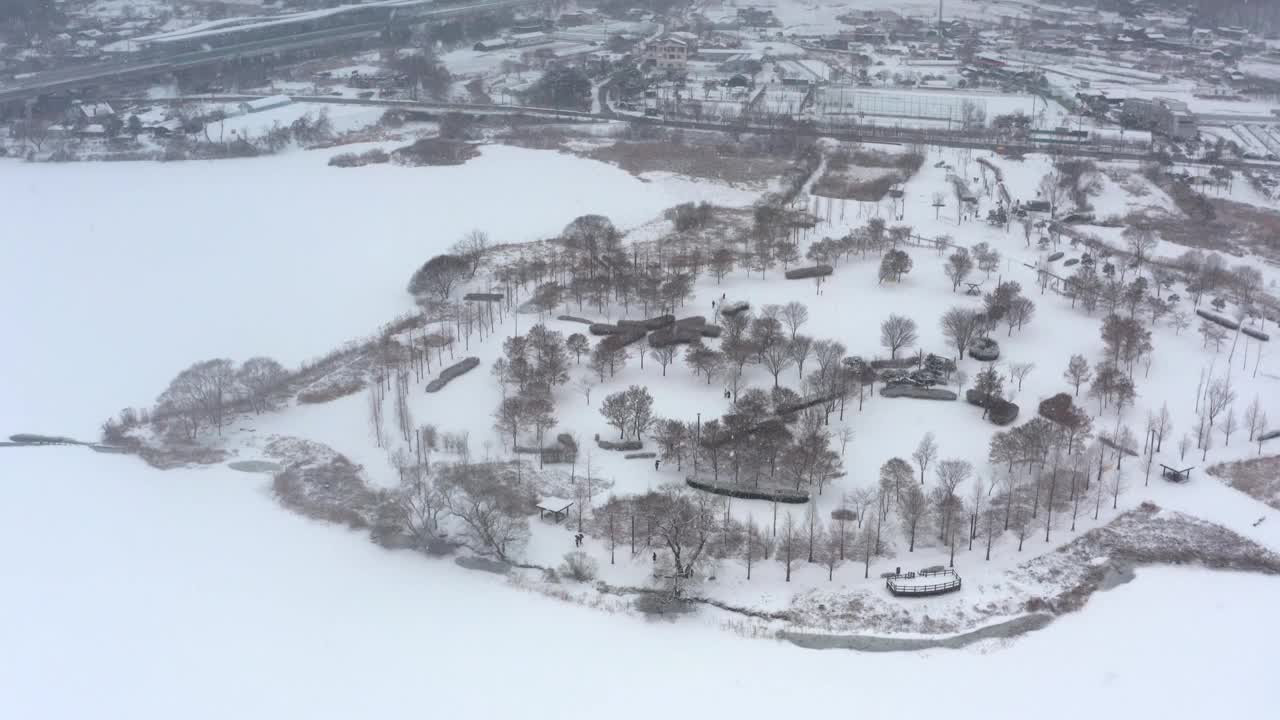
<point x="655" y="464"/>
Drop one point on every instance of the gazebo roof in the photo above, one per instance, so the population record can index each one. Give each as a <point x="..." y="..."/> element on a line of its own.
<point x="554" y="504"/>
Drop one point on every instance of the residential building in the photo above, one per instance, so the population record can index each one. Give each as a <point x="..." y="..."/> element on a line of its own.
<point x="669" y="52"/>
<point x="264" y="103"/>
<point x="1163" y="115"/>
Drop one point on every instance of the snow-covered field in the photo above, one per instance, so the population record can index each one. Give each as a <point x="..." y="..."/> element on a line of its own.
<point x="139" y="269"/>
<point x="139" y="594"/>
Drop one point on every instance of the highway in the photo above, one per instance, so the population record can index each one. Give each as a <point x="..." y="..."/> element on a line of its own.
<point x="83" y="76"/>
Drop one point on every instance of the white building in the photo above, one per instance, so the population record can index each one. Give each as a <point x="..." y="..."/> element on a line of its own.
<point x="266" y="103"/>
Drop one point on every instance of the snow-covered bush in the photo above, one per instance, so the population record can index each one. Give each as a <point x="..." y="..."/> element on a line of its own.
<point x="579" y="566"/>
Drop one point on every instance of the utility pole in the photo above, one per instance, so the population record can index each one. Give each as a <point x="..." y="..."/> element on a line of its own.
<point x="940" y="43"/>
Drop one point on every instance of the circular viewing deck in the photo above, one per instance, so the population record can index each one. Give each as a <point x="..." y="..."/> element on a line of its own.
<point x="923" y="583"/>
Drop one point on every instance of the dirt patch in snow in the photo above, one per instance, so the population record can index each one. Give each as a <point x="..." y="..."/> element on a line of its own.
<point x="1259" y="478"/>
<point x="321" y="483"/>
<point x="726" y="162"/>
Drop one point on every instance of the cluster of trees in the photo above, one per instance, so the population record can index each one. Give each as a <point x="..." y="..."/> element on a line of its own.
<point x="962" y="325"/>
<point x="487" y="503"/>
<point x="693" y="529"/>
<point x="759" y="441"/>
<point x="875" y="237"/>
<point x="630" y="411"/>
<point x="962" y="261"/>
<point x="441" y="275"/>
<point x="205" y="394"/>
<point x="532" y="365"/>
<point x="561" y="86"/>
<point x="424" y="72"/>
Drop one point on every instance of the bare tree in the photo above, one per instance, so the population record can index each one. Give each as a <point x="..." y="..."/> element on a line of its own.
<point x="912" y="507"/>
<point x="961" y="325"/>
<point x="1141" y="240"/>
<point x="959" y="265"/>
<point x="489" y="504"/>
<point x="1117" y="485"/>
<point x="1228" y="425"/>
<point x="925" y="453"/>
<point x="790" y="539"/>
<point x="794" y="315"/>
<point x="684" y="521"/>
<point x="704" y="360"/>
<point x="800" y="347"/>
<point x="897" y="332"/>
<point x="1077" y="372"/>
<point x="813" y="524"/>
<point x="1252" y="414"/>
<point x="831" y="551"/>
<point x="663" y="354"/>
<point x="584" y="386"/>
<point x="263" y="379"/>
<point x="472" y="248"/>
<point x="846" y="434"/>
<point x="1020" y="371"/>
<point x="375" y="413"/>
<point x="1218" y="397"/>
<point x="420" y="503"/>
<point x="951" y="474"/>
<point x="776" y="357"/>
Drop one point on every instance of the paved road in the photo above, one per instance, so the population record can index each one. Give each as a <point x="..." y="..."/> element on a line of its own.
<point x="868" y="133"/>
<point x="74" y="78"/>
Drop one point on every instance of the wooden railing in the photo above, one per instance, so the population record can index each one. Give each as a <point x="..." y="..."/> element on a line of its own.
<point x="935" y="589"/>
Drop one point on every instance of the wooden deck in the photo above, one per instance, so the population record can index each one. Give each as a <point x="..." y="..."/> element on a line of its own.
<point x="918" y="584"/>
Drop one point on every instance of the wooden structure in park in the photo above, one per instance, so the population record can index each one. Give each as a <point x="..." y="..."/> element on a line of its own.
<point x="556" y="508"/>
<point x="1174" y="474"/>
<point x="923" y="583"/>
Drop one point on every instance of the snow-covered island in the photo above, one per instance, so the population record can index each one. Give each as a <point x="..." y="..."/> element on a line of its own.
<point x="449" y="372"/>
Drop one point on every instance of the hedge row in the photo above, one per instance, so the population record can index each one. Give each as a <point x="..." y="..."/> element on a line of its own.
<point x="620" y="341"/>
<point x="570" y="318"/>
<point x="735" y="307"/>
<point x="627" y="445"/>
<point x="640" y="455"/>
<point x="782" y="495"/>
<point x="651" y="324"/>
<point x="674" y="334"/>
<point x="487" y="297"/>
<point x="809" y="272"/>
<point x="911" y="391"/>
<point x="898" y="363"/>
<point x="1214" y="317"/>
<point x="452" y="372"/>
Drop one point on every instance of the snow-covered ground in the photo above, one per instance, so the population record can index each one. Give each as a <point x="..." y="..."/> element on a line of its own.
<point x="140" y="594"/>
<point x="144" y="268"/>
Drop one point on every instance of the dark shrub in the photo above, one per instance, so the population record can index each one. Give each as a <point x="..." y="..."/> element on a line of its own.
<point x="808" y="272"/>
<point x="452" y="372"/>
